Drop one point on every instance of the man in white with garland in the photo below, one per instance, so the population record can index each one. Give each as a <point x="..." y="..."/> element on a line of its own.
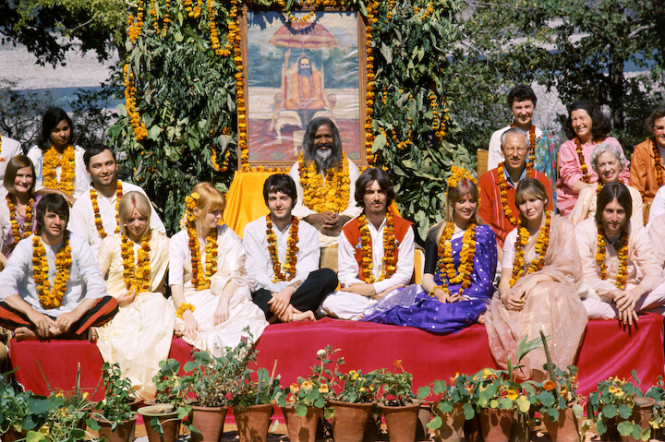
<point x="283" y="256"/>
<point x="325" y="181"/>
<point x="95" y="213"/>
<point x="9" y="148"/>
<point x="375" y="250"/>
<point x="52" y="286"/>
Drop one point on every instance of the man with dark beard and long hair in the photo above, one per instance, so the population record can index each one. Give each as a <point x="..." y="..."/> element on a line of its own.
<point x="325" y="179"/>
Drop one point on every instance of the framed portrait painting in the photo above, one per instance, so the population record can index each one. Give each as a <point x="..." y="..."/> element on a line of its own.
<point x="295" y="72"/>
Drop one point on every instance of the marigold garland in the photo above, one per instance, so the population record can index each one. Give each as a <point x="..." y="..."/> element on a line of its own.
<point x="183" y="307"/>
<point x="63" y="261"/>
<point x="13" y="216"/>
<point x="389" y="259"/>
<point x="136" y="272"/>
<point x="446" y="262"/>
<point x="140" y="131"/>
<point x="503" y="191"/>
<point x="622" y="254"/>
<point x="459" y="174"/>
<point x="166" y="20"/>
<point x="542" y="243"/>
<point x="372" y="7"/>
<point x="333" y="195"/>
<point x="531" y="151"/>
<point x="658" y="161"/>
<point x="95" y="208"/>
<point x="200" y="278"/>
<point x="135" y="24"/>
<point x="291" y="251"/>
<point x="66" y="162"/>
<point x="580" y="156"/>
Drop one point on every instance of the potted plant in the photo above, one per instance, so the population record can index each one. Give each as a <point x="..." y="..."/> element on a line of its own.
<point x="253" y="403"/>
<point x="454" y="414"/>
<point x="65" y="417"/>
<point x="398" y="404"/>
<point x="20" y="411"/>
<point x="210" y="379"/>
<point x="163" y="419"/>
<point x="657" y="394"/>
<point x="612" y="406"/>
<point x="353" y="406"/>
<point x="113" y="417"/>
<point x="303" y="401"/>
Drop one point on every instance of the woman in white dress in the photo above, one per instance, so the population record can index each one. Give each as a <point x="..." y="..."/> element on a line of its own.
<point x="17" y="205"/>
<point x="134" y="263"/>
<point x="208" y="279"/>
<point x="59" y="166"/>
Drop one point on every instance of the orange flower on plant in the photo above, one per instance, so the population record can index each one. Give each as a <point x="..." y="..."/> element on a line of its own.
<point x="549" y="385"/>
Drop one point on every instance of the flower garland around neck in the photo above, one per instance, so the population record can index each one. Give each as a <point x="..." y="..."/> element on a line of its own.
<point x="446" y="262"/>
<point x="522" y="239"/>
<point x="136" y="273"/>
<point x="531" y="151"/>
<point x="200" y="278"/>
<point x="622" y="254"/>
<point x="13" y="216"/>
<point x="66" y="162"/>
<point x="291" y="251"/>
<point x="503" y="190"/>
<point x="389" y="260"/>
<point x="95" y="208"/>
<point x="332" y="196"/>
<point x="51" y="298"/>
<point x="580" y="156"/>
<point x="658" y="161"/>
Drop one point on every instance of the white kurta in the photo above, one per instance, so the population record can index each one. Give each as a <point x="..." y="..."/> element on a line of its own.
<point x="301" y="210"/>
<point x="82" y="217"/>
<point x="81" y="177"/>
<point x="85" y="278"/>
<point x="139" y="335"/>
<point x="230" y="268"/>
<point x="8" y="150"/>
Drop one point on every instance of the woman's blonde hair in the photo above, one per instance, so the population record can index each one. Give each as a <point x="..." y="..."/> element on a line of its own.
<point x="128" y="202"/>
<point x="453" y="195"/>
<point x="209" y="197"/>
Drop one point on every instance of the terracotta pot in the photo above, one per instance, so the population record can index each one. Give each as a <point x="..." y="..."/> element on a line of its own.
<point x="168" y="418"/>
<point x="612" y="434"/>
<point x="452" y="424"/>
<point x="209" y="421"/>
<point x="642" y="413"/>
<point x="349" y="421"/>
<point x="302" y="429"/>
<point x="424" y="416"/>
<point x="12" y="435"/>
<point x="496" y="424"/>
<point x="123" y="433"/>
<point x="401" y="421"/>
<point x="472" y="432"/>
<point x="520" y="430"/>
<point x="565" y="428"/>
<point x="253" y="422"/>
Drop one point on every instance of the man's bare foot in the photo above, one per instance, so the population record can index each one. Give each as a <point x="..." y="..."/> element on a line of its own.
<point x="24" y="333"/>
<point x="481" y="319"/>
<point x="304" y="316"/>
<point x="92" y="335"/>
<point x="177" y="333"/>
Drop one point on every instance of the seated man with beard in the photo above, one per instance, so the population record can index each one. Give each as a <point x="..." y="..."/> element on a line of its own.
<point x="325" y="180"/>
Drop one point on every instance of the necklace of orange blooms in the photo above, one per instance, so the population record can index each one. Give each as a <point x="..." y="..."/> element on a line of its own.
<point x="446" y="265"/>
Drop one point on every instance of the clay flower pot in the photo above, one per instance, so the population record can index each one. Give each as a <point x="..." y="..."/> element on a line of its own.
<point x="167" y="415"/>
<point x="209" y="421"/>
<point x="401" y="421"/>
<point x="565" y="428"/>
<point x="253" y="422"/>
<point x="349" y="421"/>
<point x="123" y="433"/>
<point x="496" y="424"/>
<point x="302" y="429"/>
<point x="452" y="424"/>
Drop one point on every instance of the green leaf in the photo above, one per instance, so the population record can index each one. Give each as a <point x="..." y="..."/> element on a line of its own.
<point x="301" y="410"/>
<point x="93" y="424"/>
<point x="435" y="423"/>
<point x="625" y="428"/>
<point x="423" y="392"/>
<point x="609" y="411"/>
<point x="625" y="411"/>
<point x="469" y="412"/>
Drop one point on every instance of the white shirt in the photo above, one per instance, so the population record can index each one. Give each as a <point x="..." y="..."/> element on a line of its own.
<point x="85" y="277"/>
<point x="495" y="155"/>
<point x="81" y="177"/>
<point x="348" y="266"/>
<point x="255" y="241"/>
<point x="82" y="217"/>
<point x="9" y="148"/>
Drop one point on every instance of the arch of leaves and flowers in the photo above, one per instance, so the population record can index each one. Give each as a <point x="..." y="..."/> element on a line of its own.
<point x="185" y="114"/>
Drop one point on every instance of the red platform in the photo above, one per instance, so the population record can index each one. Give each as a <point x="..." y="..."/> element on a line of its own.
<point x="607" y="351"/>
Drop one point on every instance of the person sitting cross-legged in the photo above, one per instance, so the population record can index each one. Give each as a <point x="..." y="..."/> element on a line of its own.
<point x="52" y="286"/>
<point x="283" y="255"/>
<point x="375" y="250"/>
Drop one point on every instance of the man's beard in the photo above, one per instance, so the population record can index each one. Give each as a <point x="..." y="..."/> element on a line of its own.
<point x="305" y="71"/>
<point x="324" y="159"/>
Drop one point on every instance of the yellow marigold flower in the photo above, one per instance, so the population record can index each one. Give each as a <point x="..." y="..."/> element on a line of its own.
<point x="324" y="388"/>
<point x="512" y="395"/>
<point x="294" y="388"/>
<point x="619" y="393"/>
<point x="307" y="385"/>
<point x="612" y="389"/>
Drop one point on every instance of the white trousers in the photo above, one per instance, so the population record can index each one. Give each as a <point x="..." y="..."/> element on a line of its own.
<point x="653" y="302"/>
<point x="345" y="305"/>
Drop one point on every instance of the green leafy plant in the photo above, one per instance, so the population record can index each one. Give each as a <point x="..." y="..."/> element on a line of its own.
<point x="20" y="411"/>
<point x="115" y="407"/>
<point x="551" y="397"/>
<point x="358" y="387"/>
<point x="657" y="392"/>
<point x="262" y="391"/>
<point x="612" y="404"/>
<point x="459" y="392"/>
<point x="395" y="389"/>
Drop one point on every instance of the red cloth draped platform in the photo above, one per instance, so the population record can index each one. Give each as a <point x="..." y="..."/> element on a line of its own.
<point x="607" y="351"/>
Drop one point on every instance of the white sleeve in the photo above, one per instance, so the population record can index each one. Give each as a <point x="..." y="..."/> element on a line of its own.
<point x="352" y="210"/>
<point x="37" y="157"/>
<point x="310" y="253"/>
<point x="257" y="260"/>
<point x="346" y="262"/>
<point x="89" y="271"/>
<point x="300" y="210"/>
<point x="404" y="270"/>
<point x="658" y="204"/>
<point x="177" y="247"/>
<point x="509" y="249"/>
